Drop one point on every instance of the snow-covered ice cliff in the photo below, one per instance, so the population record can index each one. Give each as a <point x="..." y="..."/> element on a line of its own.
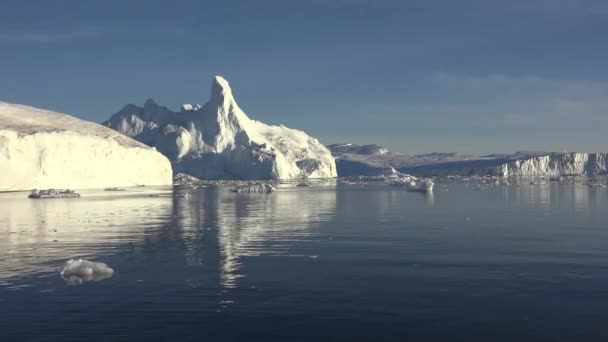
<point x="355" y="160"/>
<point x="219" y="141"/>
<point x="556" y="164"/>
<point x="44" y="149"/>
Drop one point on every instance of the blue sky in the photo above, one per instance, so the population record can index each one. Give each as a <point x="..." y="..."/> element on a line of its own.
<point x="470" y="76"/>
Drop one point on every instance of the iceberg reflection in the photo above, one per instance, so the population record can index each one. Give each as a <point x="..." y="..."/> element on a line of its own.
<point x="249" y="224"/>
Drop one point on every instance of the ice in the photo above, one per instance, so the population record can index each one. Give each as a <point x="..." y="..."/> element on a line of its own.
<point x="113" y="189"/>
<point x="189" y="107"/>
<point x="219" y="141"/>
<point x="370" y="160"/>
<point x="45" y="149"/>
<point x="78" y="271"/>
<point x="53" y="193"/>
<point x="411" y="183"/>
<point x="254" y="187"/>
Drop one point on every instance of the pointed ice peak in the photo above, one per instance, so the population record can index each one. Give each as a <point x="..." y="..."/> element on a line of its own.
<point x="220" y="89"/>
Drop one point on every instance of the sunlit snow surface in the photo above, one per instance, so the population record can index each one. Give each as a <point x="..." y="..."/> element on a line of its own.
<point x="41" y="149"/>
<point x="220" y="141"/>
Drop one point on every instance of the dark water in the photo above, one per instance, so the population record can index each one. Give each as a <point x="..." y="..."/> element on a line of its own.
<point x="326" y="263"/>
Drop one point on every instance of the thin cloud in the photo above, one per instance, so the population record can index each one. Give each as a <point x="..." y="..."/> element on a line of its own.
<point x="78" y="34"/>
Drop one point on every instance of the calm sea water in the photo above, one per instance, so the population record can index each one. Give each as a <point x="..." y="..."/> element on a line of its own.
<point x="325" y="263"/>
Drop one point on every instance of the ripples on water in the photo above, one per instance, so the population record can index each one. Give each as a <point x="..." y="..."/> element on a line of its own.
<point x="332" y="262"/>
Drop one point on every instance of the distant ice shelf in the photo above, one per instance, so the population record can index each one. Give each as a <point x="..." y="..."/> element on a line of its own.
<point x="356" y="160"/>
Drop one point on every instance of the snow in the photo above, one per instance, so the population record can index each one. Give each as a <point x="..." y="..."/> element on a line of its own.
<point x="190" y="107"/>
<point x="77" y="271"/>
<point x="45" y="149"/>
<point x="219" y="141"/>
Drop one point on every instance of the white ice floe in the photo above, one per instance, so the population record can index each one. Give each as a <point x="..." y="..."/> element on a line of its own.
<point x="254" y="187"/>
<point x="219" y="140"/>
<point x="77" y="271"/>
<point x="411" y="183"/>
<point x="45" y="149"/>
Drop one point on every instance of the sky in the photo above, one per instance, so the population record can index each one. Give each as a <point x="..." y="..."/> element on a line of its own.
<point x="467" y="76"/>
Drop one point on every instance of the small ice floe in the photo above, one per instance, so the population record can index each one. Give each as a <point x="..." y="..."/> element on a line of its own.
<point x="254" y="187"/>
<point x="556" y="179"/>
<point x="113" y="189"/>
<point x="78" y="271"/>
<point x="415" y="184"/>
<point x="421" y="185"/>
<point x="303" y="184"/>
<point x="53" y="193"/>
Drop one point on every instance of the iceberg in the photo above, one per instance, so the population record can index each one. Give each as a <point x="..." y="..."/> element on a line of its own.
<point x="77" y="271"/>
<point x="44" y="149"/>
<point x="219" y="141"/>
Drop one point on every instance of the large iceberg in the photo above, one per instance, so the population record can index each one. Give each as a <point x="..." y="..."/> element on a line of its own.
<point x="45" y="149"/>
<point x="219" y="141"/>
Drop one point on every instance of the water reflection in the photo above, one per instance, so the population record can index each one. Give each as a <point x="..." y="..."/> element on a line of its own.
<point x="80" y="279"/>
<point x="213" y="231"/>
<point x="248" y="224"/>
<point x="38" y="235"/>
<point x="576" y="197"/>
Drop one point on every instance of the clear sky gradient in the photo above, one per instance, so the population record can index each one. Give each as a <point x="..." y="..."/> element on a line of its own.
<point x="470" y="76"/>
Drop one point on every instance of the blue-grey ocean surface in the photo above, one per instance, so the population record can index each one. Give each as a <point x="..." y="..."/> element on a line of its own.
<point x="331" y="262"/>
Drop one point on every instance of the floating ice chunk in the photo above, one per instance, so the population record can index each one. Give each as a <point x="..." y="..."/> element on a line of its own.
<point x="415" y="184"/>
<point x="77" y="271"/>
<point x="420" y="185"/>
<point x="254" y="187"/>
<point x="52" y="193"/>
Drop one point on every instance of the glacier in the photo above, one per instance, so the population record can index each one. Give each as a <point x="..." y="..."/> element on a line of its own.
<point x="42" y="149"/>
<point x="219" y="141"/>
<point x="554" y="164"/>
<point x="373" y="160"/>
